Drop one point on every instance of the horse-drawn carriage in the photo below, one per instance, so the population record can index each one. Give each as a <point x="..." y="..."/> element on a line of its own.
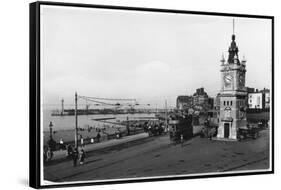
<point x="209" y="131"/>
<point x="180" y="128"/>
<point x="249" y="131"/>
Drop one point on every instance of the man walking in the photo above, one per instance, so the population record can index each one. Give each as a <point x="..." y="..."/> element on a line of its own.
<point x="82" y="157"/>
<point x="75" y="157"/>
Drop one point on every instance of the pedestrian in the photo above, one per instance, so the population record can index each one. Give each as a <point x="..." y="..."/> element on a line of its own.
<point x="69" y="150"/>
<point x="98" y="137"/>
<point x="181" y="139"/>
<point x="82" y="142"/>
<point x="75" y="157"/>
<point x="117" y="135"/>
<point x="45" y="154"/>
<point x="149" y="130"/>
<point x="82" y="156"/>
<point x="61" y="144"/>
<point x="128" y="130"/>
<point x="49" y="154"/>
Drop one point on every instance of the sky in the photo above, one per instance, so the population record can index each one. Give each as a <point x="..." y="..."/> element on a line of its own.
<point x="148" y="56"/>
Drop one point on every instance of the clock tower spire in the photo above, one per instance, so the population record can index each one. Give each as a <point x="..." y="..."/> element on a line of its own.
<point x="233" y="49"/>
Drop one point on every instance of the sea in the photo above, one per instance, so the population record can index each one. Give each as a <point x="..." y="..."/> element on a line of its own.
<point x="68" y="122"/>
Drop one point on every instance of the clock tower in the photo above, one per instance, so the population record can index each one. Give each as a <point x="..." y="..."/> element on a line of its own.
<point x="233" y="94"/>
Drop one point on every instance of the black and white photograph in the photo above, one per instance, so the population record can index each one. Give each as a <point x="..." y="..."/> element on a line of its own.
<point x="140" y="94"/>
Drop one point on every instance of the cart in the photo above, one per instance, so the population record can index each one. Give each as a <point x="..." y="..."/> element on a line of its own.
<point x="250" y="131"/>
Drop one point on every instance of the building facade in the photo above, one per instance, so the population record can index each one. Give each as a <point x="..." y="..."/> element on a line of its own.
<point x="232" y="95"/>
<point x="211" y="103"/>
<point x="267" y="100"/>
<point x="184" y="102"/>
<point x="259" y="99"/>
<point x="217" y="102"/>
<point x="201" y="98"/>
<point x="256" y="100"/>
<point x="266" y="93"/>
<point x="198" y="101"/>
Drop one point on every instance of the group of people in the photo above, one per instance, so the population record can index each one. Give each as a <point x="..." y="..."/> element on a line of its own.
<point x="98" y="129"/>
<point x="155" y="128"/>
<point x="92" y="140"/>
<point x="76" y="155"/>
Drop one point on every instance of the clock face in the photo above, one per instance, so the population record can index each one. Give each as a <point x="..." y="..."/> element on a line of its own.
<point x="227" y="80"/>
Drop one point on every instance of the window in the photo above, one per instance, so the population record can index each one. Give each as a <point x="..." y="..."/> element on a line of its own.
<point x="224" y="103"/>
<point x="231" y="103"/>
<point x="227" y="103"/>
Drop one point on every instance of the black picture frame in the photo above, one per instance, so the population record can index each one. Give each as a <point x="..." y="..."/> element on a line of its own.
<point x="34" y="91"/>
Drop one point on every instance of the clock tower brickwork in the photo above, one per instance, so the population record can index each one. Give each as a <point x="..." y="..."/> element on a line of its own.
<point x="233" y="94"/>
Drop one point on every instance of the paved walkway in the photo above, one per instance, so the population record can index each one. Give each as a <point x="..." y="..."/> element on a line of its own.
<point x="90" y="147"/>
<point x="157" y="156"/>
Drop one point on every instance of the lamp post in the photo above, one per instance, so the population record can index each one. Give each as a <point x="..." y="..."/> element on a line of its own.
<point x="62" y="107"/>
<point x="51" y="130"/>
<point x="76" y="122"/>
<point x="166" y="115"/>
<point x="128" y="126"/>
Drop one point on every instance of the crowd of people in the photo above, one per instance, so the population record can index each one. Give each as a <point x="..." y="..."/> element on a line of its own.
<point x="73" y="153"/>
<point x="155" y="128"/>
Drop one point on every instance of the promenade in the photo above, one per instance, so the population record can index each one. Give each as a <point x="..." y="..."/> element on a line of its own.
<point x="60" y="154"/>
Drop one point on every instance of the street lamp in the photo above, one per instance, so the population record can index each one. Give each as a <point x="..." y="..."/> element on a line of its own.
<point x="128" y="126"/>
<point x="51" y="130"/>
